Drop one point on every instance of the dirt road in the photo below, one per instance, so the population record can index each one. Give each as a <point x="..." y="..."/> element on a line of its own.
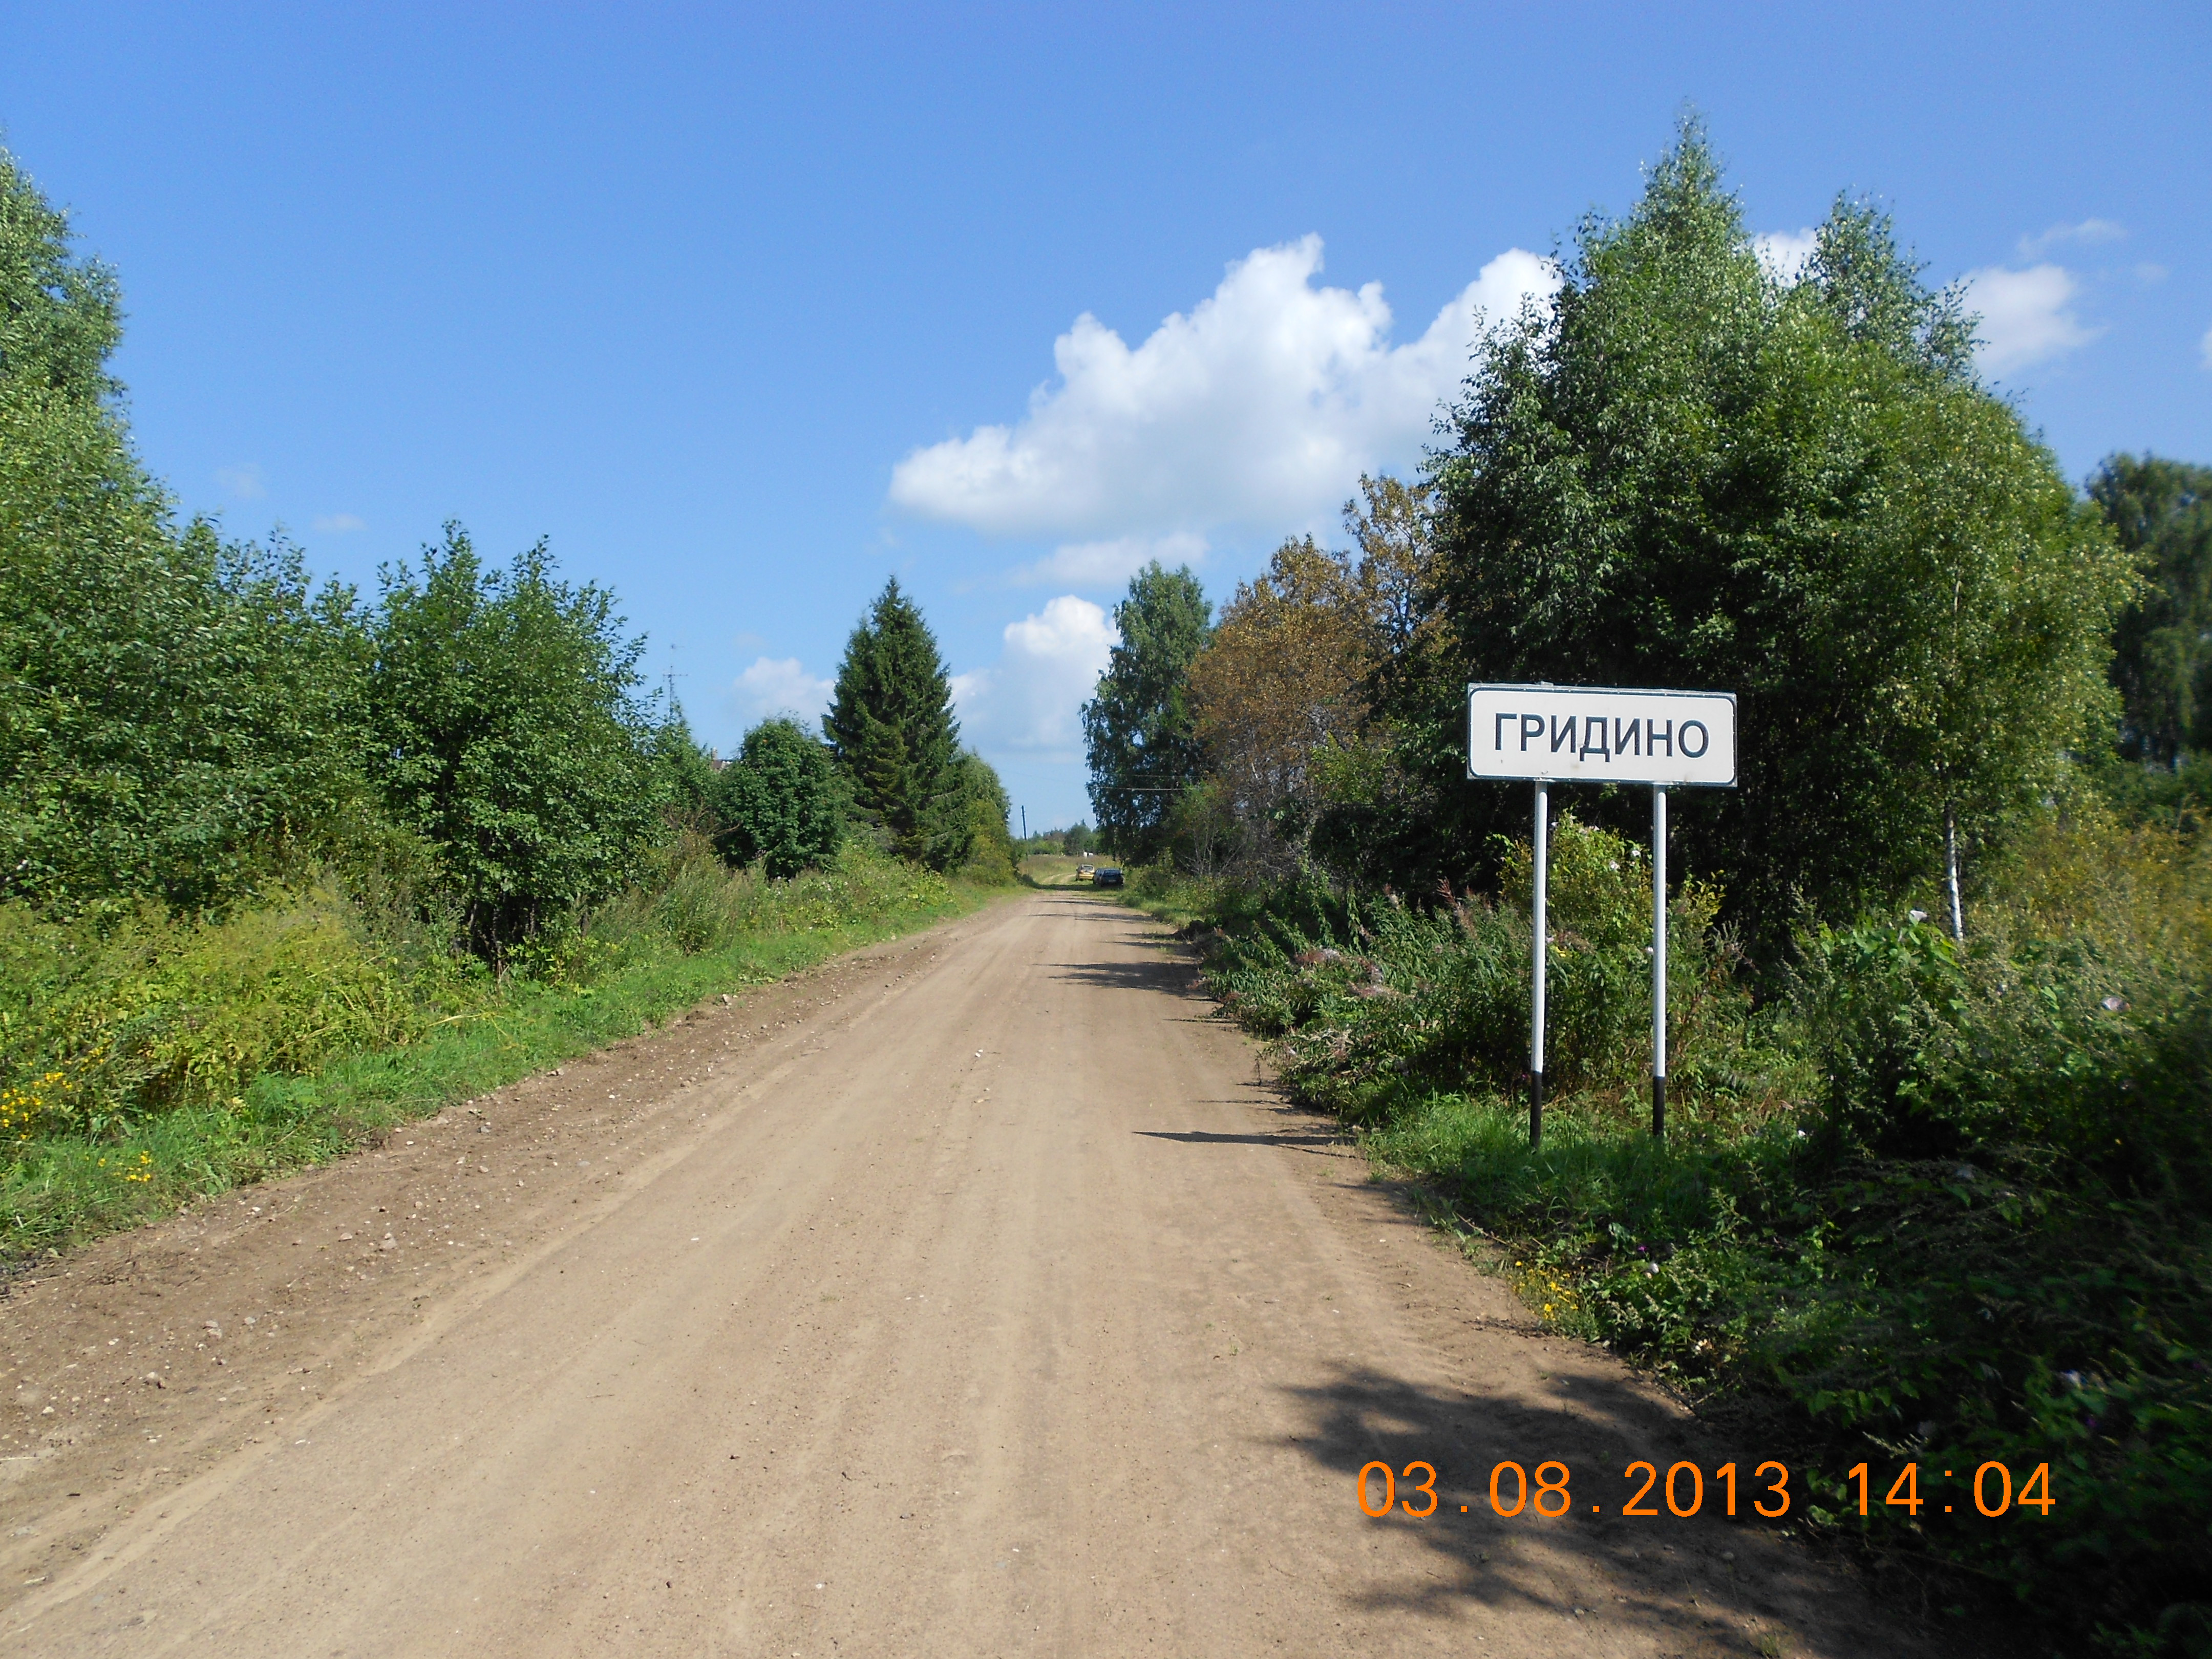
<point x="968" y="1297"/>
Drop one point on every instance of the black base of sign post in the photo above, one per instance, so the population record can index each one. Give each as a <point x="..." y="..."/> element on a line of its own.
<point x="1659" y="1107"/>
<point x="1535" y="1109"/>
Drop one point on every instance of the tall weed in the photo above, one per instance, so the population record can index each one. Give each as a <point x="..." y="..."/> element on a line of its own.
<point x="159" y="1057"/>
<point x="1374" y="1003"/>
<point x="154" y="1013"/>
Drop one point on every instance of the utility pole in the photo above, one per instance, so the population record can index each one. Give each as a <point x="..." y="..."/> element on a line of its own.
<point x="669" y="679"/>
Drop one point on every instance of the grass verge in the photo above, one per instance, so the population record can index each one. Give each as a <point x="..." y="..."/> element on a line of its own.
<point x="65" y="1188"/>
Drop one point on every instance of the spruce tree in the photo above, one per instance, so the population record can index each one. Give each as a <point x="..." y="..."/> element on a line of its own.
<point x="891" y="727"/>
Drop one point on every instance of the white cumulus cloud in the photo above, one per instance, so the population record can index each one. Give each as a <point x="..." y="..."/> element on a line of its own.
<point x="1028" y="701"/>
<point x="2089" y="232"/>
<point x="1261" y="406"/>
<point x="781" y="686"/>
<point x="2204" y="347"/>
<point x="1787" y="253"/>
<point x="1110" y="563"/>
<point x="2026" y="316"/>
<point x="338" y="524"/>
<point x="245" y="482"/>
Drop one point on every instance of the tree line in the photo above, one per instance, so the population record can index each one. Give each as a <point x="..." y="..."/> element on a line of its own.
<point x="1696" y="471"/>
<point x="189" y="722"/>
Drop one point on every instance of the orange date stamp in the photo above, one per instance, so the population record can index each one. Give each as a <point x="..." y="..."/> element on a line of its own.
<point x="1548" y="1491"/>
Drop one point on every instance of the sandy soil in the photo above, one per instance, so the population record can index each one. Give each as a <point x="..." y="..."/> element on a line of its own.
<point x="968" y="1296"/>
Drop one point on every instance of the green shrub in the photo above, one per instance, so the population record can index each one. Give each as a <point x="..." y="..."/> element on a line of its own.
<point x="103" y="1027"/>
<point x="781" y="800"/>
<point x="2073" y="1022"/>
<point x="505" y="729"/>
<point x="1373" y="1003"/>
<point x="694" y="903"/>
<point x="152" y="1013"/>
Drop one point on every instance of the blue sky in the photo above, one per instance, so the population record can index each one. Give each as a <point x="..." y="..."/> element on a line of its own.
<point x="747" y="309"/>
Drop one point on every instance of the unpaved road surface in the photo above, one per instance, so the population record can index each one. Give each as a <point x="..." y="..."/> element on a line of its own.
<point x="966" y="1297"/>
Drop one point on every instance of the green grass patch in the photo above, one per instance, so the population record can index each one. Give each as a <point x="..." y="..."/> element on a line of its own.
<point x="67" y="1181"/>
<point x="1051" y="869"/>
<point x="1182" y="902"/>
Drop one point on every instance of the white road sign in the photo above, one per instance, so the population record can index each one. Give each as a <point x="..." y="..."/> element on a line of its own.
<point x="1592" y="734"/>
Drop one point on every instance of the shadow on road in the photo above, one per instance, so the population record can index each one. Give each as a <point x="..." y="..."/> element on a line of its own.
<point x="1177" y="978"/>
<point x="1306" y="1144"/>
<point x="1662" y="1568"/>
<point x="1097" y="908"/>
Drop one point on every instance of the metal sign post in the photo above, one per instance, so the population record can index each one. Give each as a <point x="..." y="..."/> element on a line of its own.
<point x="1658" y="964"/>
<point x="1578" y="734"/>
<point x="1539" y="952"/>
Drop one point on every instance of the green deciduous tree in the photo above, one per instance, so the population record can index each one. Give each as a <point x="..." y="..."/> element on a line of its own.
<point x="1138" y="729"/>
<point x="2162" y="511"/>
<point x="781" y="800"/>
<point x="687" y="775"/>
<point x="175" y="715"/>
<point x="505" y="729"/>
<point x="60" y="316"/>
<point x="185" y="720"/>
<point x="1695" y="471"/>
<point x="1288" y="692"/>
<point x="173" y="711"/>
<point x="891" y="728"/>
<point x="981" y="804"/>
<point x="1279" y="687"/>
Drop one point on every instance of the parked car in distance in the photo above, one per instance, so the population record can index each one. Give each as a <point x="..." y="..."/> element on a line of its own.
<point x="1108" y="877"/>
<point x="1084" y="872"/>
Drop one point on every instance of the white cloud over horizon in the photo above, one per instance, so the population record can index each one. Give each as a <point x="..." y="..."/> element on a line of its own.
<point x="2204" y="347"/>
<point x="2089" y="232"/>
<point x="245" y="482"/>
<point x="338" y="524"/>
<point x="1261" y="406"/>
<point x="1787" y="253"/>
<point x="781" y="686"/>
<point x="2027" y="317"/>
<point x="1030" y="701"/>
<point x="1110" y="563"/>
